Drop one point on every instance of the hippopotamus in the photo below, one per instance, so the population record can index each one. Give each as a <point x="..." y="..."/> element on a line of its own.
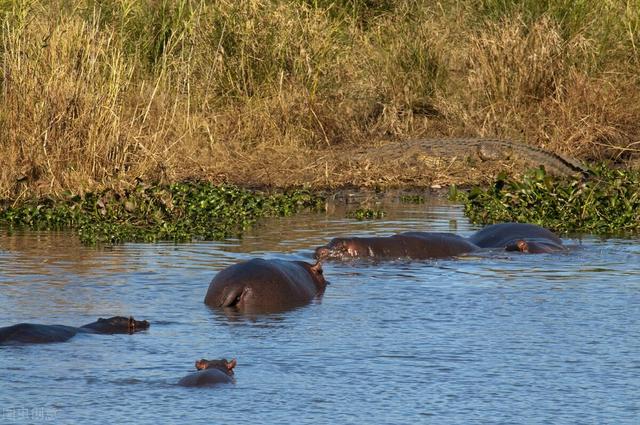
<point x="264" y="286"/>
<point x="414" y="245"/>
<point x="210" y="372"/>
<point x="523" y="237"/>
<point x="31" y="333"/>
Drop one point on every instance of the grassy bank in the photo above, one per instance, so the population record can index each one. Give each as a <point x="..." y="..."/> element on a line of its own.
<point x="101" y="94"/>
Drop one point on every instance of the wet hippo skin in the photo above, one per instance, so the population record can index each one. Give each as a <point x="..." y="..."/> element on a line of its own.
<point x="210" y="372"/>
<point x="414" y="245"/>
<point x="31" y="333"/>
<point x="262" y="286"/>
<point x="523" y="237"/>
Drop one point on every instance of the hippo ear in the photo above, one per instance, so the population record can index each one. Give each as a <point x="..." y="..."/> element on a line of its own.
<point x="317" y="267"/>
<point x="231" y="364"/>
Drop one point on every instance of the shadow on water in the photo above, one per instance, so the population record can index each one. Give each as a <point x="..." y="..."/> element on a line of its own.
<point x="256" y="316"/>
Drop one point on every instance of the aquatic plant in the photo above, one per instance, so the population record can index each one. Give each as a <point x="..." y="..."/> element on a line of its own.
<point x="412" y="199"/>
<point x="179" y="212"/>
<point x="608" y="202"/>
<point x="366" y="214"/>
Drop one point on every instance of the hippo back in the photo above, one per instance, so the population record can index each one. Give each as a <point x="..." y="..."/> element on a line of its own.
<point x="415" y="245"/>
<point x="436" y="244"/>
<point x="264" y="285"/>
<point x="30" y="333"/>
<point x="502" y="235"/>
<point x="206" y="377"/>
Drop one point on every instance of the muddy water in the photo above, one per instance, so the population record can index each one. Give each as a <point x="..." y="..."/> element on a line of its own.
<point x="509" y="338"/>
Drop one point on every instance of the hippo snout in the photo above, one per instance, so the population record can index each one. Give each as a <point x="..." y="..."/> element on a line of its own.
<point x="140" y="325"/>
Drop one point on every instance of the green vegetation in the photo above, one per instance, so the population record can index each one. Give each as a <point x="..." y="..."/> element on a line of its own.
<point x="179" y="212"/>
<point x="96" y="94"/>
<point x="606" y="203"/>
<point x="366" y="214"/>
<point x="412" y="199"/>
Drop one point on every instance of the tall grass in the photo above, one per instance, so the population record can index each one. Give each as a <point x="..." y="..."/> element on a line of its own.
<point x="100" y="93"/>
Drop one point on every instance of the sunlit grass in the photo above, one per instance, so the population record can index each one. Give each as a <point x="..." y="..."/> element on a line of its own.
<point x="98" y="94"/>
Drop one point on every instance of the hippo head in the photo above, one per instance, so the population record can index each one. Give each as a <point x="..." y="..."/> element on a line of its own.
<point x="137" y="325"/>
<point x="519" y="245"/>
<point x="534" y="247"/>
<point x="221" y="364"/>
<point x="338" y="248"/>
<point x="118" y="324"/>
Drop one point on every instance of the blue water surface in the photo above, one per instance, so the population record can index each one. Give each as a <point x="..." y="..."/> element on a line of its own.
<point x="505" y="338"/>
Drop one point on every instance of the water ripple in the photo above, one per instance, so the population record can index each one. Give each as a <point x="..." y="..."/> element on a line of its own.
<point x="488" y="338"/>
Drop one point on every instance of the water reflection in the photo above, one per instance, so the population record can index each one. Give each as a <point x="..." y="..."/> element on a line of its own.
<point x="230" y="314"/>
<point x="505" y="338"/>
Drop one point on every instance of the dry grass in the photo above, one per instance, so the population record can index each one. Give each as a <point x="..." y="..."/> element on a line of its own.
<point x="261" y="92"/>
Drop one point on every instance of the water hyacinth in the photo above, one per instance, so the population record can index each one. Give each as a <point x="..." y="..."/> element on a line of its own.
<point x="608" y="202"/>
<point x="180" y="212"/>
<point x="366" y="214"/>
<point x="412" y="199"/>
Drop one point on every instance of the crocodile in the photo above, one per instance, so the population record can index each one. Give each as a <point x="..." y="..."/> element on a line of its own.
<point x="483" y="149"/>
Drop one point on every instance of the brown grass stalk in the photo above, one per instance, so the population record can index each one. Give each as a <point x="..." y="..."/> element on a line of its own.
<point x="98" y="94"/>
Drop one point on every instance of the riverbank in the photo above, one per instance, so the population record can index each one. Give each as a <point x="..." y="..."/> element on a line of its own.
<point x="604" y="202"/>
<point x="99" y="95"/>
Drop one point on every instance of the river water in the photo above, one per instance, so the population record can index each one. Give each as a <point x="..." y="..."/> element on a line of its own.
<point x="505" y="338"/>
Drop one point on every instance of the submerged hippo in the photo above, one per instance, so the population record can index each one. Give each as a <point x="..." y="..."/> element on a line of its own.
<point x="30" y="333"/>
<point x="523" y="237"/>
<point x="264" y="286"/>
<point x="414" y="245"/>
<point x="210" y="372"/>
